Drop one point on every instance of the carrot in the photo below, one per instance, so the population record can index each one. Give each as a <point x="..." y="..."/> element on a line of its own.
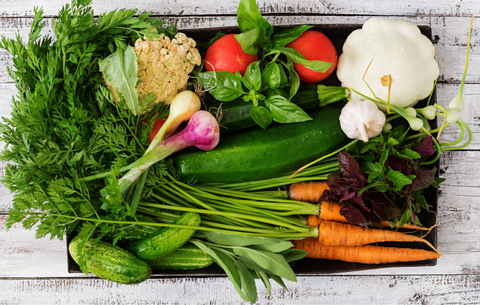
<point x="340" y="234"/>
<point x="363" y="254"/>
<point x="307" y="191"/>
<point x="331" y="211"/>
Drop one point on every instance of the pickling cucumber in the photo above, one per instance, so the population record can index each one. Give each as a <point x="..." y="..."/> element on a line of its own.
<point x="259" y="154"/>
<point x="187" y="257"/>
<point x="111" y="263"/>
<point x="167" y="239"/>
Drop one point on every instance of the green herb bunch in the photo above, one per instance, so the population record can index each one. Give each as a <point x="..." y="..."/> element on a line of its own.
<point x="63" y="123"/>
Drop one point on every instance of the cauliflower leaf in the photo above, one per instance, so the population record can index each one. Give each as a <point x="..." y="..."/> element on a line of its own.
<point x="120" y="71"/>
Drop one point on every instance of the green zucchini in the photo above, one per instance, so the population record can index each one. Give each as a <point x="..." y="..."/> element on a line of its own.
<point x="187" y="257"/>
<point x="259" y="154"/>
<point x="111" y="263"/>
<point x="235" y="115"/>
<point x="168" y="239"/>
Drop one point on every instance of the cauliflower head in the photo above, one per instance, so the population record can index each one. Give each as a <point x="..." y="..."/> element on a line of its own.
<point x="164" y="65"/>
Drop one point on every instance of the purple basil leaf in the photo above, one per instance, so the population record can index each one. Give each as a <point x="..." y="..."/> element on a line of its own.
<point x="329" y="196"/>
<point x="353" y="215"/>
<point x="423" y="178"/>
<point x="349" y="167"/>
<point x="382" y="206"/>
<point x="395" y="163"/>
<point x="425" y="149"/>
<point x="359" y="201"/>
<point x="348" y="196"/>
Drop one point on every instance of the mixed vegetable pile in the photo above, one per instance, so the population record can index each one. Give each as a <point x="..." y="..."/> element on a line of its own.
<point x="150" y="157"/>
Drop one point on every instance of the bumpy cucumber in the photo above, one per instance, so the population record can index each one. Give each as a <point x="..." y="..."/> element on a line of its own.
<point x="112" y="263"/>
<point x="236" y="114"/>
<point x="259" y="154"/>
<point x="167" y="240"/>
<point x="187" y="257"/>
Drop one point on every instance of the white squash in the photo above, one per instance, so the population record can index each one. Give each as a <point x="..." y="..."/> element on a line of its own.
<point x="401" y="58"/>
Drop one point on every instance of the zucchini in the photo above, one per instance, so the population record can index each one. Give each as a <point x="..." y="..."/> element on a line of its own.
<point x="111" y="263"/>
<point x="187" y="257"/>
<point x="236" y="114"/>
<point x="259" y="154"/>
<point x="166" y="240"/>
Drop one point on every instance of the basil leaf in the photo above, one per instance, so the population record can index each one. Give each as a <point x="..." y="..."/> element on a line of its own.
<point x="249" y="17"/>
<point x="296" y="57"/>
<point x="420" y="199"/>
<point x="227" y="264"/>
<point x="261" y="116"/>
<point x="406" y="154"/>
<point x="253" y="76"/>
<point x="273" y="262"/>
<point x="247" y="280"/>
<point x="121" y="70"/>
<point x="277" y="91"/>
<point x="224" y="86"/>
<point x="294" y="78"/>
<point x="284" y="111"/>
<point x="275" y="248"/>
<point x="251" y="40"/>
<point x="284" y="37"/>
<point x="238" y="240"/>
<point x="271" y="75"/>
<point x="283" y="77"/>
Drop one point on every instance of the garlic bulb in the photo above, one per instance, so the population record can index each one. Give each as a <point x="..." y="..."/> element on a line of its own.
<point x="361" y="120"/>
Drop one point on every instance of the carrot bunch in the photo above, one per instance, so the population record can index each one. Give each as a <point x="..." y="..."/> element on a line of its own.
<point x="340" y="241"/>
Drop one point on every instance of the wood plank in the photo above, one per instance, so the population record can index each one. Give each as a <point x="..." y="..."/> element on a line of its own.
<point x="12" y="8"/>
<point x="451" y="32"/>
<point x="429" y="289"/>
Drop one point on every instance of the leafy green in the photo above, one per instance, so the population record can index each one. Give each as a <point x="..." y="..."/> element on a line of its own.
<point x="284" y="37"/>
<point x="383" y="179"/>
<point x="224" y="86"/>
<point x="65" y="125"/>
<point x="121" y="70"/>
<point x="243" y="263"/>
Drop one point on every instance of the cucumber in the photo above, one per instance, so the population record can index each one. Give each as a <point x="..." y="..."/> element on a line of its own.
<point x="236" y="114"/>
<point x="166" y="240"/>
<point x="187" y="257"/>
<point x="111" y="263"/>
<point x="259" y="154"/>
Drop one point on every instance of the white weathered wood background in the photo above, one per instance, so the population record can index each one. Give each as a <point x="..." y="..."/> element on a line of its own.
<point x="35" y="271"/>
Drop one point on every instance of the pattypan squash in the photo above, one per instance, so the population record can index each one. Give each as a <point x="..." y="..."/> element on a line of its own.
<point x="393" y="58"/>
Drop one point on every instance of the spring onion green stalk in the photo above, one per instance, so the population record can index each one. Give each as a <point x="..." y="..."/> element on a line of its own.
<point x="202" y="131"/>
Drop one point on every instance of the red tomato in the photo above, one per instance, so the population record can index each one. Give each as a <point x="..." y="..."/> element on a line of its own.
<point x="226" y="54"/>
<point x="156" y="127"/>
<point x="314" y="46"/>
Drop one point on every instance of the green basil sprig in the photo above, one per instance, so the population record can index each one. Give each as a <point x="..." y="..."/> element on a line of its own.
<point x="258" y="86"/>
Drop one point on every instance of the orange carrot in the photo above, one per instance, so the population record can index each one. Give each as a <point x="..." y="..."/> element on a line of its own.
<point x="307" y="191"/>
<point x="340" y="234"/>
<point x="363" y="254"/>
<point x="331" y="211"/>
